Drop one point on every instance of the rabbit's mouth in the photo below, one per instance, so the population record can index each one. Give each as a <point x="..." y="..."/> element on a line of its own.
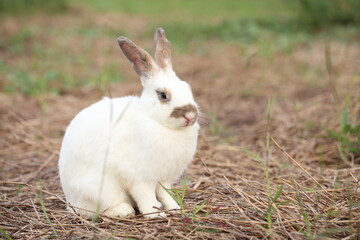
<point x="187" y="113"/>
<point x="189" y="120"/>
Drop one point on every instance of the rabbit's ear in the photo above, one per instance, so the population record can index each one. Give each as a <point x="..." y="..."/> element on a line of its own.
<point x="142" y="62"/>
<point x="162" y="50"/>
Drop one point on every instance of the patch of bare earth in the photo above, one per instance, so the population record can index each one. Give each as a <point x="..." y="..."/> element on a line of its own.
<point x="319" y="194"/>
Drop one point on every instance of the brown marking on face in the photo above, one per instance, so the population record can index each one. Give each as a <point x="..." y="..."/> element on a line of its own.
<point x="161" y="92"/>
<point x="180" y="112"/>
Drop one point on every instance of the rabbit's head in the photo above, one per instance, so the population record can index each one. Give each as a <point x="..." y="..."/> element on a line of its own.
<point x="165" y="98"/>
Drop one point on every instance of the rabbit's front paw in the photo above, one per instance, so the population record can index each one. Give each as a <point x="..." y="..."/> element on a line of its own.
<point x="170" y="204"/>
<point x="155" y="215"/>
<point x="151" y="210"/>
<point x="120" y="210"/>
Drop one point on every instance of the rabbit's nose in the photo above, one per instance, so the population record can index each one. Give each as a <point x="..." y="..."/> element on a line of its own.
<point x="190" y="116"/>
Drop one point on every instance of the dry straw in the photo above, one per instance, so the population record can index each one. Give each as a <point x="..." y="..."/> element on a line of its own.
<point x="227" y="196"/>
<point x="290" y="183"/>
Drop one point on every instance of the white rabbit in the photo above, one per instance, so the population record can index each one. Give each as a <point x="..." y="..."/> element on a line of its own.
<point x="118" y="153"/>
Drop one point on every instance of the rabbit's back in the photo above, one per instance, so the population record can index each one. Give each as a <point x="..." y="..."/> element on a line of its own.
<point x="87" y="142"/>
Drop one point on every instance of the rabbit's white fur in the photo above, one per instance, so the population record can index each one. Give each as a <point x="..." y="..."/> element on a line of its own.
<point x="118" y="152"/>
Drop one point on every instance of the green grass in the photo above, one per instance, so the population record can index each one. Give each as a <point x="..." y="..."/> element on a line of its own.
<point x="348" y="137"/>
<point x="307" y="231"/>
<point x="335" y="12"/>
<point x="216" y="128"/>
<point x="269" y="36"/>
<point x="42" y="204"/>
<point x="191" y="218"/>
<point x="33" y="76"/>
<point x="272" y="197"/>
<point x="11" y="7"/>
<point x="269" y="25"/>
<point x="273" y="24"/>
<point x="4" y="234"/>
<point x="190" y="10"/>
<point x="179" y="196"/>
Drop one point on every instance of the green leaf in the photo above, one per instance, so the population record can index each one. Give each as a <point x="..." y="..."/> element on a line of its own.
<point x="282" y="203"/>
<point x="269" y="215"/>
<point x="333" y="134"/>
<point x="171" y="193"/>
<point x="198" y="208"/>
<point x="18" y="191"/>
<point x="346" y="129"/>
<point x="279" y="191"/>
<point x="42" y="204"/>
<point x="210" y="230"/>
<point x="355" y="130"/>
<point x="174" y="190"/>
<point x="183" y="189"/>
<point x="354" y="149"/>
<point x="253" y="156"/>
<point x="344" y="121"/>
<point x="4" y="234"/>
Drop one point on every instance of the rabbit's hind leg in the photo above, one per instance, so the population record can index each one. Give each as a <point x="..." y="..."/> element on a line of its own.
<point x="85" y="209"/>
<point x="115" y="200"/>
<point x="88" y="211"/>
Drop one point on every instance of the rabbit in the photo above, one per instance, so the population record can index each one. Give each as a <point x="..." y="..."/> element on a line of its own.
<point x="119" y="154"/>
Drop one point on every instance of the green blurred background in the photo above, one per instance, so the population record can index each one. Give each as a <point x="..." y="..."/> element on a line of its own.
<point x="47" y="46"/>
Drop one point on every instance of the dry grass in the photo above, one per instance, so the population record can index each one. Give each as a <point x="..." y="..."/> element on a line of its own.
<point x="296" y="187"/>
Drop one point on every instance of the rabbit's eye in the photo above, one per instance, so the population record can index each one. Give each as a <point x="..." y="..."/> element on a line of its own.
<point x="163" y="95"/>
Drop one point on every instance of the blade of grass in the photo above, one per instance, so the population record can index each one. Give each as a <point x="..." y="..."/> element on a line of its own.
<point x="178" y="195"/>
<point x="172" y="194"/>
<point x="268" y="110"/>
<point x="270" y="208"/>
<point x="345" y="126"/>
<point x="264" y="168"/>
<point x="183" y="189"/>
<point x="279" y="191"/>
<point x="5" y="235"/>
<point x="96" y="216"/>
<point x="45" y="212"/>
<point x="329" y="69"/>
<point x="298" y="164"/>
<point x="198" y="208"/>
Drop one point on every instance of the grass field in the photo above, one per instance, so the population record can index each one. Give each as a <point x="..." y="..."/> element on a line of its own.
<point x="279" y="158"/>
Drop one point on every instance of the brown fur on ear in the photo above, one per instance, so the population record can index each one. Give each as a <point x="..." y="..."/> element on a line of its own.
<point x="143" y="63"/>
<point x="162" y="49"/>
